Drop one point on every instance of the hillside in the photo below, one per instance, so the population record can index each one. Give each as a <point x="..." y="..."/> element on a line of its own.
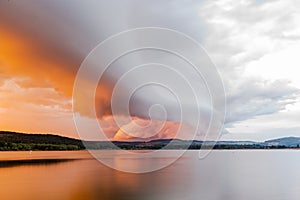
<point x="19" y="141"/>
<point x="288" y="141"/>
<point x="11" y="141"/>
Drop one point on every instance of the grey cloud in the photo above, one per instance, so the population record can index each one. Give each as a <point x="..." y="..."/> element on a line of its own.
<point x="68" y="31"/>
<point x="254" y="97"/>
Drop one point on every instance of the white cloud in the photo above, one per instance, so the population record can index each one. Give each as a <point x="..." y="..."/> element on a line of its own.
<point x="256" y="47"/>
<point x="282" y="64"/>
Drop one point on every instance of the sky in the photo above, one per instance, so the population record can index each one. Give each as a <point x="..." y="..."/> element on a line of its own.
<point x="253" y="45"/>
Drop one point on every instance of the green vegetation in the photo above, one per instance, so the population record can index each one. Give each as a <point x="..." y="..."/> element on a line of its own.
<point x="11" y="141"/>
<point x="33" y="147"/>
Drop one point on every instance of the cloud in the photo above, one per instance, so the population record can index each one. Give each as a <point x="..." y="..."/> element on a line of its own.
<point x="34" y="109"/>
<point x="50" y="50"/>
<point x="242" y="36"/>
<point x="146" y="130"/>
<point x="281" y="64"/>
<point x="42" y="45"/>
<point x="11" y="91"/>
<point x="280" y="124"/>
<point x="255" y="97"/>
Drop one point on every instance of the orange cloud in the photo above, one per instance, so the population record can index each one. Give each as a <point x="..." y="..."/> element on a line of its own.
<point x="144" y="130"/>
<point x="34" y="110"/>
<point x="36" y="85"/>
<point x="35" y="89"/>
<point x="22" y="58"/>
<point x="38" y="65"/>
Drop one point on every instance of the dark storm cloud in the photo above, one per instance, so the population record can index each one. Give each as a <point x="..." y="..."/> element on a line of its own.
<point x="64" y="32"/>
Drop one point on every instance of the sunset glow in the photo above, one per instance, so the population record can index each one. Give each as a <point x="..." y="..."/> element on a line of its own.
<point x="42" y="46"/>
<point x="36" y="95"/>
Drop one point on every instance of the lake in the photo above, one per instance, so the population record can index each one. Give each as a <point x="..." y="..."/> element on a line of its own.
<point x="232" y="175"/>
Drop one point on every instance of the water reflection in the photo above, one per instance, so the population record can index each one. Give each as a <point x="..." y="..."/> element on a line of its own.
<point x="223" y="175"/>
<point x="16" y="163"/>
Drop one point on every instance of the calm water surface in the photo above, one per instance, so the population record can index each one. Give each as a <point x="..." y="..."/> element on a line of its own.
<point x="240" y="175"/>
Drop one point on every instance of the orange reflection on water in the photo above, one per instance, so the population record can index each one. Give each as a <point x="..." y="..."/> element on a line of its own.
<point x="85" y="178"/>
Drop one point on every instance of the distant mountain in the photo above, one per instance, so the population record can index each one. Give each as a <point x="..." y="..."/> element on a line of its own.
<point x="11" y="141"/>
<point x="288" y="141"/>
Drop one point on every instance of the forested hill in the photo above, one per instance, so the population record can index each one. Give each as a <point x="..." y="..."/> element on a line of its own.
<point x="11" y="141"/>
